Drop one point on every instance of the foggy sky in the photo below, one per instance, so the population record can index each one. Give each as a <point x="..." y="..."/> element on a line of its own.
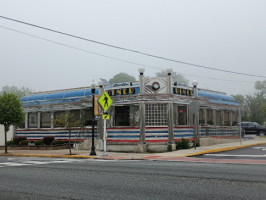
<point x="225" y="34"/>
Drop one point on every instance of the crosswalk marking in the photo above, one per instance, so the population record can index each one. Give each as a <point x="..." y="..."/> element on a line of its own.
<point x="17" y="163"/>
<point x="12" y="164"/>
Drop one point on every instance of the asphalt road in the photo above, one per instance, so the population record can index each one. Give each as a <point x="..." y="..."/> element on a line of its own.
<point x="252" y="153"/>
<point x="43" y="178"/>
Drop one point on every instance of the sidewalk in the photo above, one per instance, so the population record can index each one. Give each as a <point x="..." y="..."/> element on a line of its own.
<point x="85" y="154"/>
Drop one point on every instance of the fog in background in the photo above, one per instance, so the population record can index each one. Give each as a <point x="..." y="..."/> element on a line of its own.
<point x="224" y="34"/>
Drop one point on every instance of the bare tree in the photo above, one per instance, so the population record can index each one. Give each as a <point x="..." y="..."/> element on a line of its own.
<point x="67" y="120"/>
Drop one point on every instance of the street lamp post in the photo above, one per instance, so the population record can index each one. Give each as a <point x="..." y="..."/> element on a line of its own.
<point x="142" y="109"/>
<point x="93" y="153"/>
<point x="195" y="112"/>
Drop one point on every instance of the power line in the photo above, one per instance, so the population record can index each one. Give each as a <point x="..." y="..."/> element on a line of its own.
<point x="110" y="57"/>
<point x="217" y="79"/>
<point x="131" y="50"/>
<point x="79" y="49"/>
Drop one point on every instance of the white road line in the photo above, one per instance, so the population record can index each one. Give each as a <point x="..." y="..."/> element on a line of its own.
<point x="262" y="148"/>
<point x="110" y="160"/>
<point x="100" y="160"/>
<point x="13" y="164"/>
<point x="34" y="162"/>
<point x="49" y="162"/>
<point x="229" y="155"/>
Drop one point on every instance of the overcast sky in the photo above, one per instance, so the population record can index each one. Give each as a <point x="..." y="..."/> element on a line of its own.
<point x="224" y="34"/>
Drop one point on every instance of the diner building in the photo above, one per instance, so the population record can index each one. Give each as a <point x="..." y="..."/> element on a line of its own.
<point x="145" y="116"/>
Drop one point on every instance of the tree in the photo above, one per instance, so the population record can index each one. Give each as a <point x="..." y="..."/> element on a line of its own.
<point x="67" y="121"/>
<point x="19" y="92"/>
<point x="239" y="98"/>
<point x="175" y="77"/>
<point x="264" y="111"/>
<point x="253" y="105"/>
<point x="121" y="77"/>
<point x="11" y="112"/>
<point x="244" y="113"/>
<point x="261" y="86"/>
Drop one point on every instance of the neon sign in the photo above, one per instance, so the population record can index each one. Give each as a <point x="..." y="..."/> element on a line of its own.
<point x="182" y="91"/>
<point x="121" y="91"/>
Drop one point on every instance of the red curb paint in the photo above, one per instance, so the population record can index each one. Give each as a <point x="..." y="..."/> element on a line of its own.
<point x="114" y="157"/>
<point x="152" y="157"/>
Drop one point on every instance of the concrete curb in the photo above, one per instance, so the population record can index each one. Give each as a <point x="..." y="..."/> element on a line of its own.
<point x="222" y="149"/>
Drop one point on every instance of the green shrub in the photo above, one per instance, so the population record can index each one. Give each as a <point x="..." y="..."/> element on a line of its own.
<point x="17" y="139"/>
<point x="23" y="143"/>
<point x="38" y="142"/>
<point x="183" y="144"/>
<point x="58" y="142"/>
<point x="47" y="140"/>
<point x="10" y="143"/>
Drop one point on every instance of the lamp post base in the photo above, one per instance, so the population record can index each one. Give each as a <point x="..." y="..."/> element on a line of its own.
<point x="93" y="153"/>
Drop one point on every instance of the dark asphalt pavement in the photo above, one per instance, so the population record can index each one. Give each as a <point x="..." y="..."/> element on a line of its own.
<point x="40" y="178"/>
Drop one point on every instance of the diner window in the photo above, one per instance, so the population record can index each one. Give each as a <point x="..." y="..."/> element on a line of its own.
<point x="46" y="120"/>
<point x="156" y="114"/>
<point x="226" y="118"/>
<point x="75" y="115"/>
<point x="201" y="117"/>
<point x="134" y="114"/>
<point x="209" y="117"/>
<point x="218" y="118"/>
<point x="22" y="124"/>
<point x="182" y="115"/>
<point x="234" y="119"/>
<point x="86" y="117"/>
<point x="122" y="116"/>
<point x="33" y="120"/>
<point x="58" y="116"/>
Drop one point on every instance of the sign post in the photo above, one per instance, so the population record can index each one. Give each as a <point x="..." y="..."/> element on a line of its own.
<point x="105" y="134"/>
<point x="105" y="101"/>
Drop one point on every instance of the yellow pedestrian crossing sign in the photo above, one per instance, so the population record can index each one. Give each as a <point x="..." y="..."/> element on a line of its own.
<point x="106" y="116"/>
<point x="105" y="101"/>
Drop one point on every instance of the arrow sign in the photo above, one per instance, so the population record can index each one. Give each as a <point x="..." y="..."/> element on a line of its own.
<point x="106" y="116"/>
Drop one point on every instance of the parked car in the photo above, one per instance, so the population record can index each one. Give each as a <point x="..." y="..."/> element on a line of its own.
<point x="253" y="128"/>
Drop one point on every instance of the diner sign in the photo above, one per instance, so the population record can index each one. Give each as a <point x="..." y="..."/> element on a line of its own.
<point x="125" y="84"/>
<point x="121" y="91"/>
<point x="183" y="91"/>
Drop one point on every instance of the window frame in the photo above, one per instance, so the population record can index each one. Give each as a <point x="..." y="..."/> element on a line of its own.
<point x="29" y="120"/>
